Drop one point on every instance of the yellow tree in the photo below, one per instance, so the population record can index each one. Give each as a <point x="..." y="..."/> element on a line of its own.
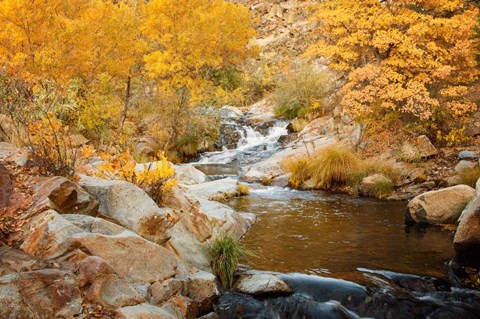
<point x="414" y="57"/>
<point x="188" y="38"/>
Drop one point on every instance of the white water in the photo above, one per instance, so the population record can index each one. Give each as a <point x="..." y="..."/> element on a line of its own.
<point x="249" y="140"/>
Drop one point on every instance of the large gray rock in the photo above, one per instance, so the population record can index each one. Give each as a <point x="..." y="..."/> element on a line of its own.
<point x="467" y="237"/>
<point x="12" y="154"/>
<point x="131" y="207"/>
<point x="442" y="206"/>
<point x="113" y="292"/>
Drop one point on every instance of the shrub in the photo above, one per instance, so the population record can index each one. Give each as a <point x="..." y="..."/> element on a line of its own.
<point x="225" y="253"/>
<point x="50" y="147"/>
<point x="243" y="190"/>
<point x="155" y="178"/>
<point x="304" y="92"/>
<point x="332" y="167"/>
<point x="470" y="176"/>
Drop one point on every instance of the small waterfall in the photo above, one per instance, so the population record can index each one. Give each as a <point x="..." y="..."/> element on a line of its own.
<point x="252" y="145"/>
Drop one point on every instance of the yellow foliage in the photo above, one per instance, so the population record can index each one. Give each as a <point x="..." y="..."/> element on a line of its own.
<point x="50" y="146"/>
<point x="406" y="56"/>
<point x="155" y="178"/>
<point x="189" y="37"/>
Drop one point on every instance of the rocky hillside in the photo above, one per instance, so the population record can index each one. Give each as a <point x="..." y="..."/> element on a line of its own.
<point x="282" y="27"/>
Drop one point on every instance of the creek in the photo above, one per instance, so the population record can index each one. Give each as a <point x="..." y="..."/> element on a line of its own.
<point x="324" y="240"/>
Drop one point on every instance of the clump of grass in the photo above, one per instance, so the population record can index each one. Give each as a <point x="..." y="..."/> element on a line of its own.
<point x="470" y="176"/>
<point x="333" y="167"/>
<point x="225" y="253"/>
<point x="382" y="189"/>
<point x="370" y="167"/>
<point x="243" y="190"/>
<point x="267" y="181"/>
<point x="298" y="169"/>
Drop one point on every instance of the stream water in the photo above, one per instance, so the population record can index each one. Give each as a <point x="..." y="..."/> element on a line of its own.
<point x="337" y="236"/>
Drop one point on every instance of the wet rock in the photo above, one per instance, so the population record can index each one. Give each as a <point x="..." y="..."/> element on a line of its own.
<point x="230" y="135"/>
<point x="64" y="196"/>
<point x="6" y="187"/>
<point x="189" y="175"/>
<point x="467" y="237"/>
<point x="143" y="311"/>
<point x="202" y="288"/>
<point x="236" y="305"/>
<point x="131" y="207"/>
<point x="464" y="165"/>
<point x="257" y="283"/>
<point x="467" y="155"/>
<point x="442" y="206"/>
<point x="370" y="183"/>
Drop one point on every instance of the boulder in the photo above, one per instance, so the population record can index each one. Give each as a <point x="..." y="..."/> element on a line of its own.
<point x="259" y="283"/>
<point x="131" y="207"/>
<point x="215" y="188"/>
<point x="454" y="180"/>
<point x="420" y="148"/>
<point x="64" y="196"/>
<point x="6" y="187"/>
<point x="467" y="155"/>
<point x="92" y="268"/>
<point x="189" y="175"/>
<point x="143" y="311"/>
<point x="370" y="183"/>
<point x="11" y="300"/>
<point x="467" y="237"/>
<point x="52" y="235"/>
<point x="146" y="146"/>
<point x="442" y="206"/>
<point x="464" y="165"/>
<point x="281" y="181"/>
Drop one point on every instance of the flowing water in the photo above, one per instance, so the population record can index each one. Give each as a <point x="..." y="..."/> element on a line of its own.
<point x="336" y="236"/>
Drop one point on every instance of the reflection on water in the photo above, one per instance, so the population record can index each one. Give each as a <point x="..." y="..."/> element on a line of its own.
<point x="320" y="233"/>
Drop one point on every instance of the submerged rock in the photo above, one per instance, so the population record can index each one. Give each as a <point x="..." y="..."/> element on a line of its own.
<point x="260" y="283"/>
<point x="442" y="206"/>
